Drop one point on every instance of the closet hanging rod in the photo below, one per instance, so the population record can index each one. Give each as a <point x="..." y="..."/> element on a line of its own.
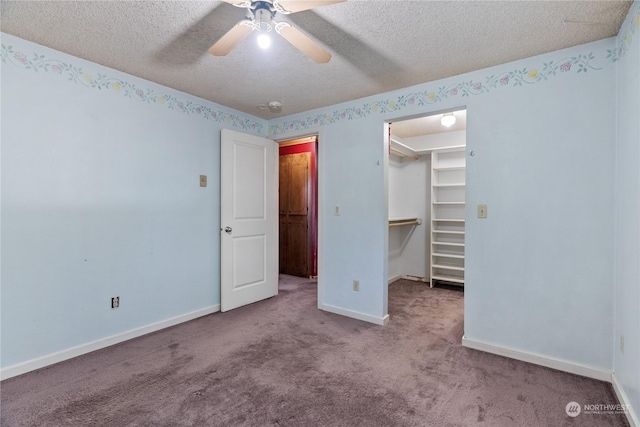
<point x="396" y="223"/>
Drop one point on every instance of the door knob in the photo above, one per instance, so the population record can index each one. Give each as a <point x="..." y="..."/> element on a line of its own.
<point x="227" y="229"/>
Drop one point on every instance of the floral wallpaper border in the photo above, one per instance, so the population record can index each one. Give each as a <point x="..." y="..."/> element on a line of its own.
<point x="40" y="63"/>
<point x="519" y="77"/>
<point x="526" y="76"/>
<point x="626" y="34"/>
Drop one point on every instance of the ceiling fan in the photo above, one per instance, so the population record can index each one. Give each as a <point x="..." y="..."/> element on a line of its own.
<point x="260" y="18"/>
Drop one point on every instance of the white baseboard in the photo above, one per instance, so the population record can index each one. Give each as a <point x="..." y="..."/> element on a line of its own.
<point x="416" y="278"/>
<point x="412" y="278"/>
<point x="59" y="356"/>
<point x="536" y="359"/>
<point x="394" y="278"/>
<point x="355" y="314"/>
<point x="632" y="417"/>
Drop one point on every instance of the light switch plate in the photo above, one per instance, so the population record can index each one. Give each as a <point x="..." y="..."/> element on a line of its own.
<point x="482" y="211"/>
<point x="203" y="180"/>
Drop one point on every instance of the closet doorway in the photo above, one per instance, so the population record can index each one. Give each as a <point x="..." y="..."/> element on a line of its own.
<point x="298" y="207"/>
<point x="427" y="178"/>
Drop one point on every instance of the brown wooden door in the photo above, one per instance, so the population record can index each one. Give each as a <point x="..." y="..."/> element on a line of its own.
<point x="295" y="199"/>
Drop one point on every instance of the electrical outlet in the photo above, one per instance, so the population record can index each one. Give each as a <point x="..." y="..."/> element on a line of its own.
<point x="115" y="302"/>
<point x="622" y="344"/>
<point x="356" y="285"/>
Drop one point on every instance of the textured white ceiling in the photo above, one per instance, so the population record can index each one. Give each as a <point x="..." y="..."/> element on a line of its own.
<point x="377" y="46"/>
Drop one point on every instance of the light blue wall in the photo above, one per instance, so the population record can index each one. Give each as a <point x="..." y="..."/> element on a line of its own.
<point x="351" y="162"/>
<point x="89" y="173"/>
<point x="539" y="269"/>
<point x="627" y="190"/>
<point x="101" y="198"/>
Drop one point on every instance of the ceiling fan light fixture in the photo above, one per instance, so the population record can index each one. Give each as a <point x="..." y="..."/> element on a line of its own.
<point x="262" y="16"/>
<point x="264" y="41"/>
<point x="448" y="120"/>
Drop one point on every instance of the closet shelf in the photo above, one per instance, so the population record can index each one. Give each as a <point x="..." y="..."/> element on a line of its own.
<point x="448" y="267"/>
<point x="447" y="220"/>
<point x="403" y="150"/>
<point x="448" y="185"/>
<point x="446" y="278"/>
<point x="450" y="168"/>
<point x="404" y="154"/>
<point x="448" y="232"/>
<point x="441" y="149"/>
<point x="448" y="244"/>
<point x="449" y="203"/>
<point x="395" y="222"/>
<point x="448" y="255"/>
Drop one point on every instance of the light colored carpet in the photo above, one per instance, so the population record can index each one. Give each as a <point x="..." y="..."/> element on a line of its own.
<point x="282" y="362"/>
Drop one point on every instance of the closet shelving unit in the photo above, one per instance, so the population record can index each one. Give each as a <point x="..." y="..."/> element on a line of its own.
<point x="447" y="216"/>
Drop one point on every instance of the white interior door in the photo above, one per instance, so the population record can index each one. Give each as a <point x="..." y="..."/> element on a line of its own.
<point x="249" y="219"/>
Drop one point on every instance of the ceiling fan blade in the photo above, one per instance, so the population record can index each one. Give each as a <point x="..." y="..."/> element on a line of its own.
<point x="307" y="46"/>
<point x="292" y="6"/>
<point x="239" y="3"/>
<point x="231" y="39"/>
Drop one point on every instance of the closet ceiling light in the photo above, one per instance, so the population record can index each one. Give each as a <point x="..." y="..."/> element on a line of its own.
<point x="448" y="120"/>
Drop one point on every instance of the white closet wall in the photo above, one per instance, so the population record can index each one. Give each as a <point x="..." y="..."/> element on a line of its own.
<point x="409" y="187"/>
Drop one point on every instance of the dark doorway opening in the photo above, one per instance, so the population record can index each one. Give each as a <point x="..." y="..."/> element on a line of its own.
<point x="298" y="207"/>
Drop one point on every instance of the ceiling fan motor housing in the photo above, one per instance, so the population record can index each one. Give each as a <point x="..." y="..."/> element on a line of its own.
<point x="263" y="13"/>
